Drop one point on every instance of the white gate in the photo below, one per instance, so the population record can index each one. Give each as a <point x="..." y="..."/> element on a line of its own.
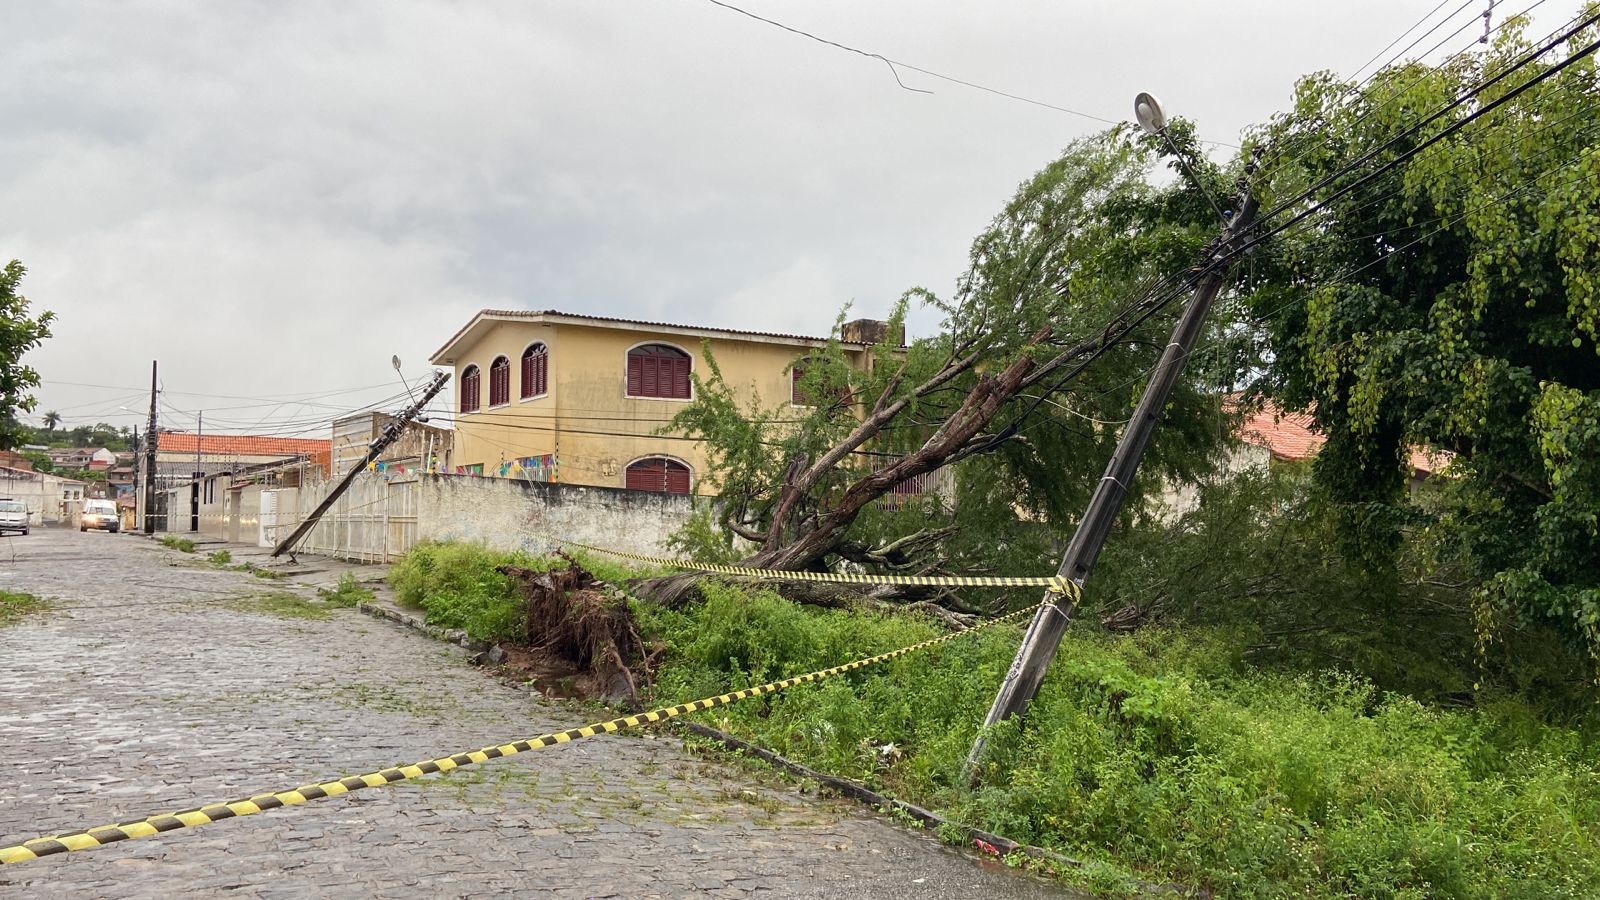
<point x="269" y="519"/>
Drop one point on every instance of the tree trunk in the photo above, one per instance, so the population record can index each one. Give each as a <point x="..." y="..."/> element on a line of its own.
<point x="809" y="549"/>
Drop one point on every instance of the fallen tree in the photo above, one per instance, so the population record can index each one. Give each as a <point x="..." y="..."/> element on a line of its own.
<point x="1001" y="403"/>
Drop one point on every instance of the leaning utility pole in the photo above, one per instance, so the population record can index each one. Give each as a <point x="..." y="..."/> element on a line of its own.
<point x="1044" y="633"/>
<point x="391" y="432"/>
<point x="150" y="459"/>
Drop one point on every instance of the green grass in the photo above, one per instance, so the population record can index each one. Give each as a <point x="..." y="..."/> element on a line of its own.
<point x="1162" y="757"/>
<point x="220" y="558"/>
<point x="15" y="607"/>
<point x="182" y="545"/>
<point x="283" y="605"/>
<point x="348" y="593"/>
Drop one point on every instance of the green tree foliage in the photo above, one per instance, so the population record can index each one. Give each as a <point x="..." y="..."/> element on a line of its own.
<point x="1453" y="303"/>
<point x="19" y="333"/>
<point x="41" y="462"/>
<point x="986" y="402"/>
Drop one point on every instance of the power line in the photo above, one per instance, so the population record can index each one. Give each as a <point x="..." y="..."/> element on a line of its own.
<point x="895" y="65"/>
<point x="1426" y="16"/>
<point x="1296" y="148"/>
<point x="1460" y="100"/>
<point x="1454" y="127"/>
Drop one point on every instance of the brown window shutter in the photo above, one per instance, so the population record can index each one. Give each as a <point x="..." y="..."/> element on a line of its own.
<point x="469" y="389"/>
<point x="680" y="379"/>
<point x="534" y="370"/>
<point x="646" y="475"/>
<point x="677" y="478"/>
<point x="635" y="374"/>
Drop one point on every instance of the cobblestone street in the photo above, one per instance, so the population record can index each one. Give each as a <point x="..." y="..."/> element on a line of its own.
<point x="157" y="683"/>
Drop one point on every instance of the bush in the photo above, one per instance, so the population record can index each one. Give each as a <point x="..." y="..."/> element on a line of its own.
<point x="182" y="545"/>
<point x="458" y="587"/>
<point x="219" y="558"/>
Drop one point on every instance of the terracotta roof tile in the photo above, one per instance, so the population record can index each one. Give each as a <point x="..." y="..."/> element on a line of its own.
<point x="1287" y="435"/>
<point x="240" y="444"/>
<point x="1293" y="436"/>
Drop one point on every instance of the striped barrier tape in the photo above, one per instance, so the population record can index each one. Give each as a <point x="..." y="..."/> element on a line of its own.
<point x="1056" y="584"/>
<point x="38" y="847"/>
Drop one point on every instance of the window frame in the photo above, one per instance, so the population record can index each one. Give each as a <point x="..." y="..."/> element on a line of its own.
<point x="627" y="360"/>
<point x="544" y="374"/>
<point x="470" y="375"/>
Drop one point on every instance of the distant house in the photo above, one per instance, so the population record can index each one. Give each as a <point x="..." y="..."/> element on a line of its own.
<point x="1290" y="436"/>
<point x="77" y="459"/>
<point x="121" y="479"/>
<point x="50" y="498"/>
<point x="188" y="467"/>
<point x="423" y="447"/>
<point x="1270" y="435"/>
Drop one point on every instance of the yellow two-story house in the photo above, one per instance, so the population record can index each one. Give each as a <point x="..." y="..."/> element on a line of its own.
<point x="577" y="399"/>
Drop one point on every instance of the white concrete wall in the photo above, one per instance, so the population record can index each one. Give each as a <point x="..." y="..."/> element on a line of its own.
<point x="508" y="514"/>
<point x="1176" y="500"/>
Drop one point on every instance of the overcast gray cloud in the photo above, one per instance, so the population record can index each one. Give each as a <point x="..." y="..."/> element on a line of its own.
<point x="273" y="198"/>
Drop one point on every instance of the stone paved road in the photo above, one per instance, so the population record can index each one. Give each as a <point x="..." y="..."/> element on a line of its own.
<point x="152" y="687"/>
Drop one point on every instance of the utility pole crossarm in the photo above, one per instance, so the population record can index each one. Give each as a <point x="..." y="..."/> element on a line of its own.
<point x="391" y="433"/>
<point x="1049" y="624"/>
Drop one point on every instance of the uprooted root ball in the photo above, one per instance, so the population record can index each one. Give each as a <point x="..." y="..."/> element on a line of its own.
<point x="570" y="615"/>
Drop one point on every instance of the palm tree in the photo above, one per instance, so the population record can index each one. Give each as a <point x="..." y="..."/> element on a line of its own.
<point x="51" y="420"/>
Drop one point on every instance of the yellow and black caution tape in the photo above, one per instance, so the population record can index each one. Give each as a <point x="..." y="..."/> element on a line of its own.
<point x="1056" y="584"/>
<point x="216" y="812"/>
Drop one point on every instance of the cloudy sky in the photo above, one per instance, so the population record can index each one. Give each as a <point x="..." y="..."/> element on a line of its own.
<point x="272" y="198"/>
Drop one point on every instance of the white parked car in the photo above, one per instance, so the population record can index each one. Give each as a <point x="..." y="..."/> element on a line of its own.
<point x="13" y="516"/>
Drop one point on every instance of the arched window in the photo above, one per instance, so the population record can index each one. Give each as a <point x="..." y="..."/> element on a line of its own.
<point x="658" y="473"/>
<point x="469" y="389"/>
<point x="499" y="381"/>
<point x="535" y="371"/>
<point x="658" y="370"/>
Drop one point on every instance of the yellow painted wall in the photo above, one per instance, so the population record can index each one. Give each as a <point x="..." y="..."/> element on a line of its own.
<point x="586" y="417"/>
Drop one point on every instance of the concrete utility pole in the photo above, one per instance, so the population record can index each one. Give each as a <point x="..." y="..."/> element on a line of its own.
<point x="150" y="459"/>
<point x="1044" y="634"/>
<point x="391" y="433"/>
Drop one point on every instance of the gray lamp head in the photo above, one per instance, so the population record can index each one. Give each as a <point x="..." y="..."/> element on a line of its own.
<point x="1147" y="109"/>
<point x="395" y="361"/>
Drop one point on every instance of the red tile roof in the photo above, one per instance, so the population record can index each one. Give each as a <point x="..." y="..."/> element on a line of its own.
<point x="556" y="314"/>
<point x="1293" y="436"/>
<point x="240" y="444"/>
<point x="1288" y="436"/>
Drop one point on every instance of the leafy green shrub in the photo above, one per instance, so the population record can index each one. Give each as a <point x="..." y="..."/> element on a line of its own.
<point x="182" y="545"/>
<point x="458" y="587"/>
<point x="219" y="558"/>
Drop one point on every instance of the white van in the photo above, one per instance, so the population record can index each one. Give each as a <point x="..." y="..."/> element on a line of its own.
<point x="100" y="514"/>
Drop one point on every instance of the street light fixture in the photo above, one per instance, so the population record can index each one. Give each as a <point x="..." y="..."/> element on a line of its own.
<point x="1153" y="121"/>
